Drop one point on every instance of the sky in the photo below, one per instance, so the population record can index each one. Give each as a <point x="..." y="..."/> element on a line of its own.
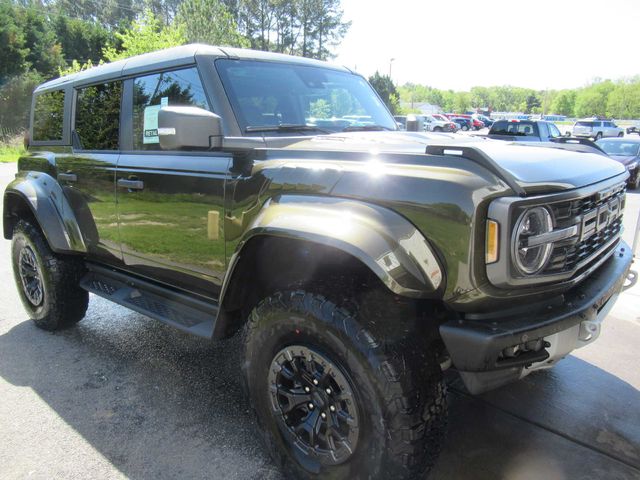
<point x="457" y="44"/>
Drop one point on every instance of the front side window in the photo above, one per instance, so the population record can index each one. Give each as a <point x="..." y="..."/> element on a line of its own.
<point x="49" y="116"/>
<point x="97" y="123"/>
<point x="553" y="131"/>
<point x="269" y="96"/>
<point x="152" y="92"/>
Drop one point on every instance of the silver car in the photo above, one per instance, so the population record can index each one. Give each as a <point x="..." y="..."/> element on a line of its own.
<point x="596" y="129"/>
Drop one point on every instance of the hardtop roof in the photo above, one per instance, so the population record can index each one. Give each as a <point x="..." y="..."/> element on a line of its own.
<point x="172" y="57"/>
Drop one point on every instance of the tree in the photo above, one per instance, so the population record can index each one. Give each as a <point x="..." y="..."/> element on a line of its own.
<point x="145" y="35"/>
<point x="386" y="90"/>
<point x="209" y="21"/>
<point x="80" y="40"/>
<point x="15" y="100"/>
<point x="13" y="54"/>
<point x="564" y="103"/>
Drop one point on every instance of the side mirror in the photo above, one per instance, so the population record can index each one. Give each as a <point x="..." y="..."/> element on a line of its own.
<point x="181" y="128"/>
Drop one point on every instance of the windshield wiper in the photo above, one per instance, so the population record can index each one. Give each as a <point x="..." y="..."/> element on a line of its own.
<point x="365" y="128"/>
<point x="285" y="127"/>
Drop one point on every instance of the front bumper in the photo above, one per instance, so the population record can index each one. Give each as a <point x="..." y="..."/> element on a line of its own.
<point x="568" y="321"/>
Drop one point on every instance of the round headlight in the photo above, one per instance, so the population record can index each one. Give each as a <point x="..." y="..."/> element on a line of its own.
<point x="529" y="260"/>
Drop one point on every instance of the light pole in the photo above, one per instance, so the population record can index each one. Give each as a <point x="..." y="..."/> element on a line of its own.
<point x="390" y="63"/>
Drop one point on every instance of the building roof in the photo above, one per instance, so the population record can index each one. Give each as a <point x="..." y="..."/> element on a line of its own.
<point x="173" y="57"/>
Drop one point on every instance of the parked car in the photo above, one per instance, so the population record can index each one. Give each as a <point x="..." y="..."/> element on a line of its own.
<point x="465" y="123"/>
<point x="454" y="126"/>
<point x="486" y="120"/>
<point x="633" y="129"/>
<point x="193" y="185"/>
<point x="401" y="121"/>
<point x="524" y="130"/>
<point x="433" y="124"/>
<point x="596" y="128"/>
<point x="627" y="152"/>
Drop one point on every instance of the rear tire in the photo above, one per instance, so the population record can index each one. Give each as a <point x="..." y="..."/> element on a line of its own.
<point x="390" y="405"/>
<point x="620" y="134"/>
<point x="48" y="284"/>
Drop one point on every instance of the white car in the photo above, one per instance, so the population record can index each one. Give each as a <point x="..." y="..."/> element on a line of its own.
<point x="596" y="129"/>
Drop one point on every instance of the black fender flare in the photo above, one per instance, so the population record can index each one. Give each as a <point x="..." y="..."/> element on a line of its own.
<point x="387" y="243"/>
<point x="48" y="204"/>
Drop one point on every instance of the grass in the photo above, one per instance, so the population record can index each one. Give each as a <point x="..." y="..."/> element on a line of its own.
<point x="11" y="149"/>
<point x="10" y="153"/>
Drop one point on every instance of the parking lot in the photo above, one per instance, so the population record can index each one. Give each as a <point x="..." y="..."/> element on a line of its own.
<point x="122" y="395"/>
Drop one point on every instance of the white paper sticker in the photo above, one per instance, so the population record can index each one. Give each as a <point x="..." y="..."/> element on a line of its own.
<point x="164" y="101"/>
<point x="150" y="127"/>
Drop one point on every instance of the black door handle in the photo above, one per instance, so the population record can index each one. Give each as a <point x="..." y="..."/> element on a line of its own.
<point x="68" y="177"/>
<point x="131" y="184"/>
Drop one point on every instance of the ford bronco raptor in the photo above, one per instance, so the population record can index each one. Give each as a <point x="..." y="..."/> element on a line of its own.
<point x="227" y="191"/>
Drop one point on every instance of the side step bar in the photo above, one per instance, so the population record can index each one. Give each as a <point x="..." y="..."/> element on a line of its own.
<point x="161" y="303"/>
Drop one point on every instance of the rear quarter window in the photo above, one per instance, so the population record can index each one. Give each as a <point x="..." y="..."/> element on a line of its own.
<point x="48" y="119"/>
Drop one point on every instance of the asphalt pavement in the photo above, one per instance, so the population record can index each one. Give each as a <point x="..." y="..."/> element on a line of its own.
<point x="124" y="396"/>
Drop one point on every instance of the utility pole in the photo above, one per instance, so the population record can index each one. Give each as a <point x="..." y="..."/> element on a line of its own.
<point x="390" y="63"/>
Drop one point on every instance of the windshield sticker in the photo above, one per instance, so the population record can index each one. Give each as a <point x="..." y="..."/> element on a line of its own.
<point x="150" y="128"/>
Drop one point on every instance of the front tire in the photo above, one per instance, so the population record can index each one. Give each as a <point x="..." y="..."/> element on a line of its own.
<point x="335" y="401"/>
<point x="598" y="136"/>
<point x="48" y="284"/>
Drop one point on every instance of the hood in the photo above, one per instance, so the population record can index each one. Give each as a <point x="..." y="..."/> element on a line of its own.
<point x="625" y="159"/>
<point x="534" y="168"/>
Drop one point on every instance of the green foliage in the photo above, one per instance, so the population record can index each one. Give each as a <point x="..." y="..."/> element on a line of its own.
<point x="147" y="34"/>
<point x="81" y="41"/>
<point x="209" y="21"/>
<point x="15" y="100"/>
<point x="386" y="90"/>
<point x="619" y="99"/>
<point x="320" y="109"/>
<point x="13" y="53"/>
<point x="310" y="28"/>
<point x="564" y="103"/>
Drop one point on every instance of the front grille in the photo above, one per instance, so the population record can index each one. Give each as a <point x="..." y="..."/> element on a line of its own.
<point x="581" y="251"/>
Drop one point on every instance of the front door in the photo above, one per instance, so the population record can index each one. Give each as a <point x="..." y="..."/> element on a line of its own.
<point x="171" y="204"/>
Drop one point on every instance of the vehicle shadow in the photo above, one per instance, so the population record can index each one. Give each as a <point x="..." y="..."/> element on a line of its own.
<point x="157" y="403"/>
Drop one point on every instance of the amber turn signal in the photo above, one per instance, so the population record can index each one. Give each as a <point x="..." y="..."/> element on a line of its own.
<point x="491" y="254"/>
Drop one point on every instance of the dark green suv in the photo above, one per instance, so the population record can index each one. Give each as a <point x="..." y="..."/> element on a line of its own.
<point x="228" y="192"/>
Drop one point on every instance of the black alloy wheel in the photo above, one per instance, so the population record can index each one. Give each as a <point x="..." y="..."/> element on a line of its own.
<point x="30" y="276"/>
<point x="315" y="404"/>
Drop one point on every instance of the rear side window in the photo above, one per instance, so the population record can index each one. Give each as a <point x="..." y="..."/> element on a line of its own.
<point x="520" y="129"/>
<point x="48" y="116"/>
<point x="585" y="124"/>
<point x="151" y="93"/>
<point x="97" y="124"/>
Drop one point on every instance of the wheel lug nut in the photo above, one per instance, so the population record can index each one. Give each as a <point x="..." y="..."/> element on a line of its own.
<point x="311" y="406"/>
<point x="315" y="381"/>
<point x="328" y="390"/>
<point x="323" y="415"/>
<point x="332" y="408"/>
<point x="307" y="389"/>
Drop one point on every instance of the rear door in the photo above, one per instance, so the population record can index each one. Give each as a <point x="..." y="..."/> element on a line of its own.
<point x="87" y="174"/>
<point x="170" y="204"/>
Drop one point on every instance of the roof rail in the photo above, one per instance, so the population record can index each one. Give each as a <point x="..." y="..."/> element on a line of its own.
<point x="481" y="158"/>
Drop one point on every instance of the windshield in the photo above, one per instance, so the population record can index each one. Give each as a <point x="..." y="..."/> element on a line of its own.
<point x="269" y="94"/>
<point x="628" y="149"/>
